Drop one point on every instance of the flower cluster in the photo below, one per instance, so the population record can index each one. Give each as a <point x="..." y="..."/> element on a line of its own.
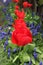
<point x="4" y="34"/>
<point x="35" y="29"/>
<point x="5" y="2"/>
<point x="21" y="34"/>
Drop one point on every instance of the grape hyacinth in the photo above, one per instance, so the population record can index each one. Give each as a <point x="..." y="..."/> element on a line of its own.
<point x="38" y="27"/>
<point x="32" y="25"/>
<point x="35" y="29"/>
<point x="30" y="63"/>
<point x="14" y="50"/>
<point x="2" y="35"/>
<point x="9" y="18"/>
<point x="35" y="55"/>
<point x="9" y="51"/>
<point x="6" y="2"/>
<point x="4" y="47"/>
<point x="40" y="63"/>
<point x="34" y="32"/>
<point x="4" y="10"/>
<point x="6" y="42"/>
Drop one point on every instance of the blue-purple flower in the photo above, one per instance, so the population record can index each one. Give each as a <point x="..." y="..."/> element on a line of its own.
<point x="6" y="42"/>
<point x="2" y="35"/>
<point x="40" y="63"/>
<point x="32" y="25"/>
<point x="6" y="2"/>
<point x="34" y="32"/>
<point x="35" y="55"/>
<point x="9" y="18"/>
<point x="9" y="52"/>
<point x="24" y="63"/>
<point x="35" y="28"/>
<point x="30" y="63"/>
<point x="14" y="50"/>
<point x="4" y="10"/>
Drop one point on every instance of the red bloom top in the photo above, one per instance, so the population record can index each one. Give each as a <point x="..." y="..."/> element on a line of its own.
<point x="26" y="4"/>
<point x="16" y="7"/>
<point x="21" y="34"/>
<point x="15" y="1"/>
<point x="20" y="14"/>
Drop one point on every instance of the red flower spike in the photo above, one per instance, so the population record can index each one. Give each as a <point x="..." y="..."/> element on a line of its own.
<point x="26" y="4"/>
<point x="15" y="1"/>
<point x="21" y="35"/>
<point x="16" y="7"/>
<point x="29" y="5"/>
<point x="20" y="14"/>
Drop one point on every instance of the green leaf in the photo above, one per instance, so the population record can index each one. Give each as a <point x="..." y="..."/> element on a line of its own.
<point x="36" y="17"/>
<point x="41" y="56"/>
<point x="11" y="44"/>
<point x="29" y="47"/>
<point x="38" y="50"/>
<point x="33" y="60"/>
<point x="24" y="57"/>
<point x="15" y="59"/>
<point x="37" y="63"/>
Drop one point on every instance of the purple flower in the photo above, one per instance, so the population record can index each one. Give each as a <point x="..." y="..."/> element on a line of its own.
<point x="32" y="26"/>
<point x="2" y="35"/>
<point x="6" y="42"/>
<point x="38" y="27"/>
<point x="40" y="63"/>
<point x="35" y="28"/>
<point x="8" y="54"/>
<point x="9" y="18"/>
<point x="14" y="50"/>
<point x="34" y="32"/>
<point x="35" y="55"/>
<point x="8" y="32"/>
<point x="4" y="10"/>
<point x="9" y="51"/>
<point x="4" y="47"/>
<point x="30" y="63"/>
<point x="6" y="2"/>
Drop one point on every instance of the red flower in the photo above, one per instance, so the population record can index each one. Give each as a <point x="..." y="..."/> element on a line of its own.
<point x="15" y="1"/>
<point x="20" y="14"/>
<point x="16" y="7"/>
<point x="29" y="5"/>
<point x="21" y="35"/>
<point x="26" y="4"/>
